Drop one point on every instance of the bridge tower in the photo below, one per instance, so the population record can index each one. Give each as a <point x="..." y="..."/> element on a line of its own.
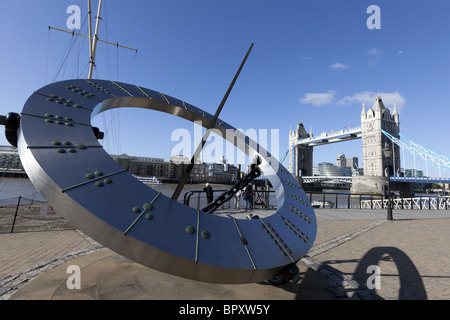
<point x="374" y="141"/>
<point x="300" y="156"/>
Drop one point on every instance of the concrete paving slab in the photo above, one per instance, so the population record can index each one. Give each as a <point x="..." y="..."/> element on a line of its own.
<point x="106" y="275"/>
<point x="415" y="247"/>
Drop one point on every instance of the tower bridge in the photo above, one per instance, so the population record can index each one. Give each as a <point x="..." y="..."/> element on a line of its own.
<point x="333" y="137"/>
<point x="380" y="129"/>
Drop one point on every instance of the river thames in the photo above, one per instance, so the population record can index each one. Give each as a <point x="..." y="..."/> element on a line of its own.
<point x="12" y="188"/>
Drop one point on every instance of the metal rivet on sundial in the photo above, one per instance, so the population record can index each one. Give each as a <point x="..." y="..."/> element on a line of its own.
<point x="149" y="216"/>
<point x="190" y="229"/>
<point x="107" y="181"/>
<point x="77" y="106"/>
<point x="49" y="120"/>
<point x="244" y="241"/>
<point x="89" y="176"/>
<point x="67" y="143"/>
<point x="56" y="143"/>
<point x="98" y="173"/>
<point x="50" y="99"/>
<point x="69" y="124"/>
<point x="59" y="122"/>
<point x="81" y="146"/>
<point x="206" y="234"/>
<point x="68" y="119"/>
<point x="53" y="96"/>
<point x="99" y="184"/>
<point x="71" y="150"/>
<point x="49" y="115"/>
<point x="59" y="117"/>
<point x="148" y="206"/>
<point x="136" y="210"/>
<point x="61" y="151"/>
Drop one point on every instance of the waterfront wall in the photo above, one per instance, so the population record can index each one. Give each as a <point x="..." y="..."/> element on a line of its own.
<point x="368" y="185"/>
<point x="376" y="186"/>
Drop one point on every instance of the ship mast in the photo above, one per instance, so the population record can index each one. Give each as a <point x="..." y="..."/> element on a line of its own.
<point x="93" y="40"/>
<point x="93" y="37"/>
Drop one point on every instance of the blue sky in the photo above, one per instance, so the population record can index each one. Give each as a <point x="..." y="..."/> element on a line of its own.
<point x="313" y="61"/>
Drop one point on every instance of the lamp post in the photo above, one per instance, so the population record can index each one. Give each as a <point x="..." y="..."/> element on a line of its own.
<point x="388" y="153"/>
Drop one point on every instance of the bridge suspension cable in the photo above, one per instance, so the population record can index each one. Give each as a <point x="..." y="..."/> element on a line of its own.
<point x="418" y="150"/>
<point x="284" y="157"/>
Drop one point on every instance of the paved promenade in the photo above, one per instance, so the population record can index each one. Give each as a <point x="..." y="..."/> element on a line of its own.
<point x="412" y="254"/>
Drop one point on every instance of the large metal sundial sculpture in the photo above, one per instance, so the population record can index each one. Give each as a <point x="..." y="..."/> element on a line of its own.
<point x="70" y="169"/>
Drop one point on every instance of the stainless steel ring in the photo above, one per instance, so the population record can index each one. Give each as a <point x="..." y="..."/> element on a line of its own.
<point x="70" y="169"/>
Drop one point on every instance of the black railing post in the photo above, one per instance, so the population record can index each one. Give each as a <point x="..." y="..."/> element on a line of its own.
<point x="15" y="215"/>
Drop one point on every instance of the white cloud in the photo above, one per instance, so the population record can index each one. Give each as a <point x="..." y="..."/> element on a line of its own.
<point x="374" y="52"/>
<point x="318" y="99"/>
<point x="369" y="97"/>
<point x="302" y="58"/>
<point x="339" y="65"/>
<point x="375" y="56"/>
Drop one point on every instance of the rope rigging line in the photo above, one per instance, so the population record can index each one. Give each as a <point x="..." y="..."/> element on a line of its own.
<point x="114" y="123"/>
<point x="63" y="63"/>
<point x="75" y="36"/>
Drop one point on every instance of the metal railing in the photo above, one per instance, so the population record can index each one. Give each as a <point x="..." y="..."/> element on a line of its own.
<point x="361" y="201"/>
<point x="421" y="203"/>
<point x="336" y="200"/>
<point x="261" y="199"/>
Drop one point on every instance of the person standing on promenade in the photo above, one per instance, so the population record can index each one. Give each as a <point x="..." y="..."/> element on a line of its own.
<point x="209" y="193"/>
<point x="248" y="197"/>
<point x="237" y="197"/>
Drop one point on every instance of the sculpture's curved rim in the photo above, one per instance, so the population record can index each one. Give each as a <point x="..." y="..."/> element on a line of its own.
<point x="89" y="188"/>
